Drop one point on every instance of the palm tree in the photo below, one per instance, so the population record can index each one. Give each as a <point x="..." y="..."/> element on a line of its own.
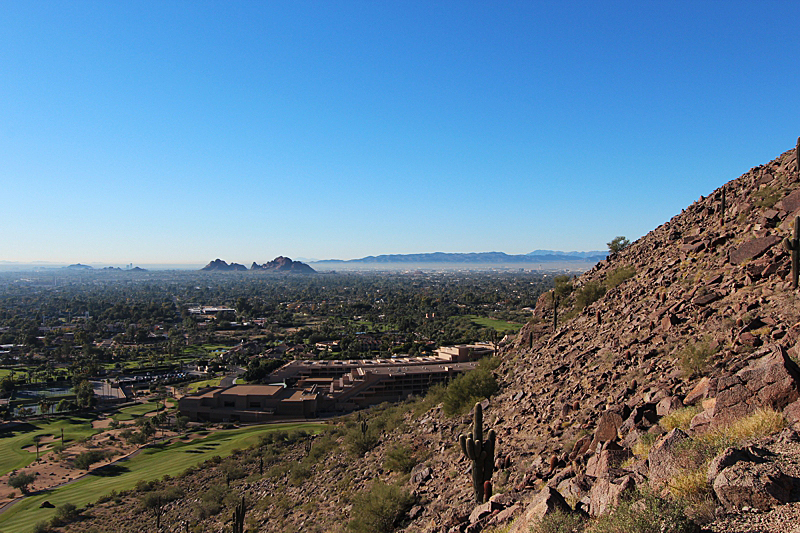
<point x="45" y="405"/>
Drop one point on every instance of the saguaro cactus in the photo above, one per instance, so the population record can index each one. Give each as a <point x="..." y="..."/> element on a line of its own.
<point x="722" y="207"/>
<point x="480" y="452"/>
<point x="238" y="517"/>
<point x="793" y="246"/>
<point x="797" y="155"/>
<point x="555" y="310"/>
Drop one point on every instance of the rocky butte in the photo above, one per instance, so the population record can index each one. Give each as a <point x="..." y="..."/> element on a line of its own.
<point x="279" y="264"/>
<point x="283" y="264"/>
<point x="667" y="387"/>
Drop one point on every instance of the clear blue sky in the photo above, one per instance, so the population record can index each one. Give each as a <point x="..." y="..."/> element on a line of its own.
<point x="179" y="132"/>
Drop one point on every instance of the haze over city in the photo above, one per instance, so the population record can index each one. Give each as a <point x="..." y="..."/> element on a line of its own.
<point x="175" y="133"/>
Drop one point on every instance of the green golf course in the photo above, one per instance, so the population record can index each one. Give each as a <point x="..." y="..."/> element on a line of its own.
<point x="12" y="455"/>
<point x="151" y="463"/>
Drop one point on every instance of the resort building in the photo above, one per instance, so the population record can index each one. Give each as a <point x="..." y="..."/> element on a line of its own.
<point x="308" y="388"/>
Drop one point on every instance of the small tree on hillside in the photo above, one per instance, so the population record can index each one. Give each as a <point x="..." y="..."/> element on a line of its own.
<point x="618" y="244"/>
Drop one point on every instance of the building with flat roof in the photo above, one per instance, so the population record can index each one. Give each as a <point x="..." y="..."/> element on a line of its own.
<point x="309" y="388"/>
<point x="249" y="403"/>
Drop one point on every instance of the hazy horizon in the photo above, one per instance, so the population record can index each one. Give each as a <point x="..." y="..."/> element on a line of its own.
<point x="317" y="263"/>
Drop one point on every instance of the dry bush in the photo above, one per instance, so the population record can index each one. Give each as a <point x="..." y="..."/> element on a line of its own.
<point x="679" y="418"/>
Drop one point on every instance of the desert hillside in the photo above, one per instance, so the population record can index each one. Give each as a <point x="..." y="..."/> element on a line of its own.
<point x="668" y="384"/>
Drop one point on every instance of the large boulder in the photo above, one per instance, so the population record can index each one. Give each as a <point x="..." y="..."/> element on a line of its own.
<point x="665" y="457"/>
<point x="607" y="491"/>
<point x="771" y="381"/>
<point x="752" y="249"/>
<point x="547" y="501"/>
<point x="611" y="456"/>
<point x="750" y="477"/>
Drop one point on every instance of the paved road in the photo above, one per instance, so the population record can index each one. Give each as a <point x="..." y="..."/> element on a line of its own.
<point x="230" y="379"/>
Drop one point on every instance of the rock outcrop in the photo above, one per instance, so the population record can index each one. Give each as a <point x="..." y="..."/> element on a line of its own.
<point x="218" y="265"/>
<point x="283" y="264"/>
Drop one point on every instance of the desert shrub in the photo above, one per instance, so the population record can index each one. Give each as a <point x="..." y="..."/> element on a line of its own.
<point x="679" y="418"/>
<point x="432" y="398"/>
<point x="563" y="287"/>
<point x="767" y="196"/>
<point x="619" y="275"/>
<point x="694" y="357"/>
<point x="642" y="447"/>
<point x="388" y="416"/>
<point x="278" y="470"/>
<point x="690" y="485"/>
<point x="359" y="442"/>
<point x="42" y="527"/>
<point x="560" y="522"/>
<point x="210" y="503"/>
<point x="298" y="473"/>
<point x="645" y="512"/>
<point x="321" y="447"/>
<point x="65" y="514"/>
<point x="762" y="422"/>
<point x="473" y="386"/>
<point x="144" y="486"/>
<point x="400" y="459"/>
<point x="588" y="294"/>
<point x="379" y="509"/>
<point x="231" y="470"/>
<point x="20" y="481"/>
<point x="86" y="459"/>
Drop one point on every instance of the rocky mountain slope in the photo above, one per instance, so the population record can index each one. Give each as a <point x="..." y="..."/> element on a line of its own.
<point x="694" y="326"/>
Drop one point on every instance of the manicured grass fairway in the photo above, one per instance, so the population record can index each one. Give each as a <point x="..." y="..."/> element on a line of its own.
<point x="13" y="457"/>
<point x="497" y="325"/>
<point x="134" y="411"/>
<point x="151" y="463"/>
<point x="197" y="385"/>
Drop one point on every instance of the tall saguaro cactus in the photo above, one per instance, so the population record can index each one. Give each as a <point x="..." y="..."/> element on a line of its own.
<point x="722" y="207"/>
<point x="797" y="155"/>
<point x="238" y="517"/>
<point x="480" y="452"/>
<point x="555" y="310"/>
<point x="793" y="246"/>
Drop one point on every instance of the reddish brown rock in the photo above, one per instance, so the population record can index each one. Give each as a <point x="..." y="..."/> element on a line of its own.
<point x="756" y="484"/>
<point x="665" y="458"/>
<point x="698" y="392"/>
<point x="771" y="381"/>
<point x="668" y="405"/>
<point x="706" y="299"/>
<point x="701" y="421"/>
<point x="612" y="456"/>
<point x="792" y="412"/>
<point x="606" y="493"/>
<point x="791" y="202"/>
<point x="752" y="249"/>
<point x="668" y="321"/>
<point x="545" y="502"/>
<point x="608" y="427"/>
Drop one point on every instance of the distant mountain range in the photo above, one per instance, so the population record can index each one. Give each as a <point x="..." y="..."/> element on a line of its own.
<point x="537" y="256"/>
